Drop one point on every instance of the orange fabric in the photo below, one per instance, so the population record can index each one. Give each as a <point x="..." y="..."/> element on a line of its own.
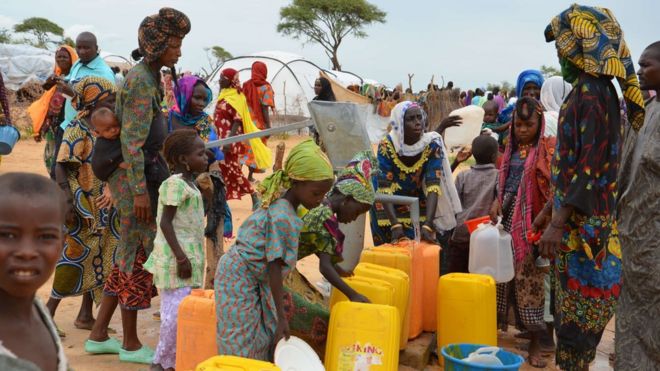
<point x="39" y="108"/>
<point x="251" y="91"/>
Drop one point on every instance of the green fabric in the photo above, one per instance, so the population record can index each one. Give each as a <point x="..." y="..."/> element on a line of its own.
<point x="569" y="71"/>
<point x="314" y="236"/>
<point x="355" y="179"/>
<point x="306" y="162"/>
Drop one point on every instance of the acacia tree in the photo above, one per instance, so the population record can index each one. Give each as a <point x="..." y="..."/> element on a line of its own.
<point x="40" y="28"/>
<point x="328" y="22"/>
<point x="549" y="71"/>
<point x="216" y="55"/>
<point x="5" y="36"/>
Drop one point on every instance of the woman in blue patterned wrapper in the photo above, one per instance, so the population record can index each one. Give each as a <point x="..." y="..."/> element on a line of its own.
<point x="414" y="163"/>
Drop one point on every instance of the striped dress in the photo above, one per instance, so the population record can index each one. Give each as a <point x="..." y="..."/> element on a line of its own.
<point x="247" y="317"/>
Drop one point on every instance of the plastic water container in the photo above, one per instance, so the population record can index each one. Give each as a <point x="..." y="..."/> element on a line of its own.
<point x="232" y="363"/>
<point x="196" y="330"/>
<point x="377" y="291"/>
<point x="461" y="357"/>
<point x="467" y="311"/>
<point x="431" y="263"/>
<point x="401" y="284"/>
<point x="460" y="136"/>
<point x="8" y="137"/>
<point x="363" y="337"/>
<point x="491" y="252"/>
<point x="410" y="260"/>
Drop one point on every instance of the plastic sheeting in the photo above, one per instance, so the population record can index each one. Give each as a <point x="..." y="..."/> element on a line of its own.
<point x="21" y="64"/>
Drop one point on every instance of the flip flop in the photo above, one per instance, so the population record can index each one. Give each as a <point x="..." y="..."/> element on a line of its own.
<point x="156" y="316"/>
<point x="144" y="355"/>
<point x="110" y="346"/>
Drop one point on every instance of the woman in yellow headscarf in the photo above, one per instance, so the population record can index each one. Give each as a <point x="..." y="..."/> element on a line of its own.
<point x="47" y="113"/>
<point x="249" y="279"/>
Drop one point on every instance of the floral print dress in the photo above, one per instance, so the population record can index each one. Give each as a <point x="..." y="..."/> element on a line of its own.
<point x="584" y="174"/>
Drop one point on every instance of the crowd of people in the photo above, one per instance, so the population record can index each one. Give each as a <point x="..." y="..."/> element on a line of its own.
<point x="132" y="182"/>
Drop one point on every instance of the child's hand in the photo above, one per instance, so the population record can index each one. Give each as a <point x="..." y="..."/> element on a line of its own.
<point x="282" y="330"/>
<point x="428" y="234"/>
<point x="358" y="298"/>
<point x="183" y="268"/>
<point x="495" y="211"/>
<point x="463" y="155"/>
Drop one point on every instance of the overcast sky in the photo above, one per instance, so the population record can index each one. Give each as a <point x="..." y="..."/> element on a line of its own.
<point x="469" y="42"/>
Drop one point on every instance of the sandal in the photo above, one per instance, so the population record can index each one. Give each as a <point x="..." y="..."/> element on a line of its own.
<point x="60" y="333"/>
<point x="144" y="355"/>
<point x="110" y="346"/>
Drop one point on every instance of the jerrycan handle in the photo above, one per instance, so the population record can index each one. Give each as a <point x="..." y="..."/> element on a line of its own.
<point x="499" y="223"/>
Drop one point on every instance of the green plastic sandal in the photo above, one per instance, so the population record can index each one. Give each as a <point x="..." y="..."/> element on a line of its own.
<point x="110" y="346"/>
<point x="144" y="355"/>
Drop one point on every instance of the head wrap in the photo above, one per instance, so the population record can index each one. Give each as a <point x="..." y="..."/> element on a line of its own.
<point x="251" y="90"/>
<point x="89" y="92"/>
<point x="553" y="93"/>
<point x="592" y="40"/>
<point x="183" y="92"/>
<point x="306" y="162"/>
<point x="232" y="75"/>
<point x="526" y="77"/>
<point x="326" y="93"/>
<point x="155" y="31"/>
<point x="397" y="121"/>
<point x="39" y="108"/>
<point x="355" y="179"/>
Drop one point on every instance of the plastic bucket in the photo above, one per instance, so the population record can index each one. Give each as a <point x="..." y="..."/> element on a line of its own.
<point x="472" y="224"/>
<point x="8" y="137"/>
<point x="455" y="353"/>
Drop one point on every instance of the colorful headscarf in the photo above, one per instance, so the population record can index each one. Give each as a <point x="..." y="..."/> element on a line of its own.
<point x="39" y="108"/>
<point x="89" y="91"/>
<point x="306" y="162"/>
<point x="526" y="77"/>
<point x="355" y="179"/>
<point x="183" y="92"/>
<point x="155" y="31"/>
<point x="251" y="90"/>
<point x="591" y="39"/>
<point x="232" y="75"/>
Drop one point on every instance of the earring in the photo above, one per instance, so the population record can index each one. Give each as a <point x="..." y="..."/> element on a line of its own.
<point x="187" y="167"/>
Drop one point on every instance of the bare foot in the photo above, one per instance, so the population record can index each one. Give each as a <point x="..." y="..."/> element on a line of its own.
<point x="535" y="358"/>
<point x="155" y="367"/>
<point x="86" y="324"/>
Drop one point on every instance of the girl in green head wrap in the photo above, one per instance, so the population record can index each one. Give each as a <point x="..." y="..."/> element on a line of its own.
<point x="248" y="281"/>
<point x="351" y="196"/>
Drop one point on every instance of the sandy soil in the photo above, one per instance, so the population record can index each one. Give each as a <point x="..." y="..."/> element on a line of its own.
<point x="28" y="157"/>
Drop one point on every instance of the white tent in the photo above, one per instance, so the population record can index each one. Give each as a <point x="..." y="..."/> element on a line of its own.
<point x="291" y="76"/>
<point x="20" y="64"/>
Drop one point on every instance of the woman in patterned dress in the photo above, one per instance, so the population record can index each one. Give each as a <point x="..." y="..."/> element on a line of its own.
<point x="248" y="282"/>
<point x="260" y="97"/>
<point x="229" y="121"/>
<point x="136" y="188"/>
<point x="582" y="233"/>
<point x="92" y="224"/>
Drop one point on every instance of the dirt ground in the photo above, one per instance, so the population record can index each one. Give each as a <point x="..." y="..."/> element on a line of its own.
<point x="28" y="157"/>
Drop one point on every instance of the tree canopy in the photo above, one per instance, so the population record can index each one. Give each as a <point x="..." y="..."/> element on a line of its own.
<point x="40" y="28"/>
<point x="328" y="22"/>
<point x="216" y="55"/>
<point x="549" y="71"/>
<point x="5" y="36"/>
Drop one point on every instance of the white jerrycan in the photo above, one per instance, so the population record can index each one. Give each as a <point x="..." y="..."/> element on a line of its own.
<point x="491" y="252"/>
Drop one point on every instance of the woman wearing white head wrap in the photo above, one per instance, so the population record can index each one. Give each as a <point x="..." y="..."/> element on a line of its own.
<point x="553" y="93"/>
